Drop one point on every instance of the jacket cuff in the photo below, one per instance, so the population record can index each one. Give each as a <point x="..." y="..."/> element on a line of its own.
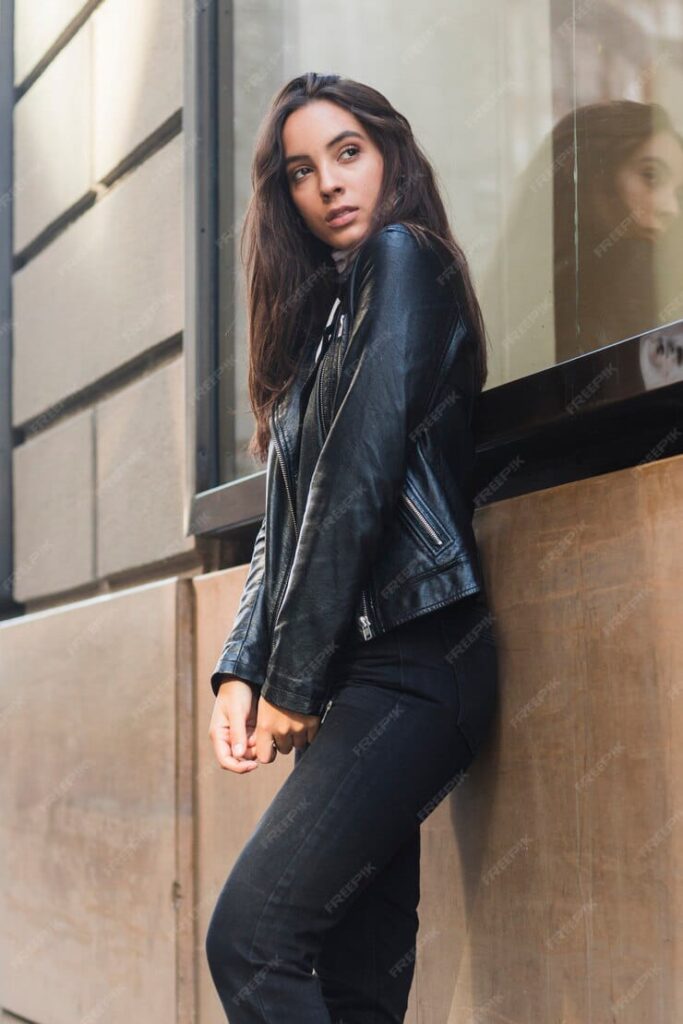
<point x="240" y="666"/>
<point x="289" y="700"/>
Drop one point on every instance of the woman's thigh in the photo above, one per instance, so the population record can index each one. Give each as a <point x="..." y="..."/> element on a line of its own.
<point x="379" y="764"/>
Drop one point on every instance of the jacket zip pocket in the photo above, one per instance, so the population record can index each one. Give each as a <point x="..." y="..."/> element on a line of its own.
<point x="421" y="520"/>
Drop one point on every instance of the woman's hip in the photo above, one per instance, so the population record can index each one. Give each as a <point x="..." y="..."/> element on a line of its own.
<point x="446" y="657"/>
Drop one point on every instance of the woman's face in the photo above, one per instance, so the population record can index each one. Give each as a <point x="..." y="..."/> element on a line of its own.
<point x="331" y="162"/>
<point x="649" y="186"/>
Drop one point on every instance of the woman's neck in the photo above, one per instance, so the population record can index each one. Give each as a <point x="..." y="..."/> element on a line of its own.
<point x="343" y="258"/>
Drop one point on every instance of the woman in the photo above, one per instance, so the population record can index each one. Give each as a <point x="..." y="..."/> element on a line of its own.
<point x="363" y="638"/>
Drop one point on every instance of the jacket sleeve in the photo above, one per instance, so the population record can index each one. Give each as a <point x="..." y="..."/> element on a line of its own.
<point x="397" y="340"/>
<point x="245" y="651"/>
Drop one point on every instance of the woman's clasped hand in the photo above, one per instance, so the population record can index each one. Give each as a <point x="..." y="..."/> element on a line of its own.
<point x="246" y="729"/>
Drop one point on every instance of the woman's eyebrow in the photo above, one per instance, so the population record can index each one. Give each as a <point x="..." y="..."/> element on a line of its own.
<point x="342" y="135"/>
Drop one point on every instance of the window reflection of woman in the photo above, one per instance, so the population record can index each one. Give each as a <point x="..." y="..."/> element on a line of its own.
<point x="617" y="223"/>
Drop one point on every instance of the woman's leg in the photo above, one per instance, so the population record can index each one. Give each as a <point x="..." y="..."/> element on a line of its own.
<point x="383" y="759"/>
<point x="367" y="961"/>
<point x="379" y="763"/>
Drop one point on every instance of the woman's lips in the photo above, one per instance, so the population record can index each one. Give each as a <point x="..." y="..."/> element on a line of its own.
<point x="342" y="219"/>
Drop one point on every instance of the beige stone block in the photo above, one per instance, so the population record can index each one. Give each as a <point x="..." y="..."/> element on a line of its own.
<point x="133" y="96"/>
<point x="54" y="509"/>
<point x="96" y="808"/>
<point x="105" y="290"/>
<point x="551" y="875"/>
<point x="53" y="146"/>
<point x="228" y="805"/>
<point x="36" y="28"/>
<point x="141" y="472"/>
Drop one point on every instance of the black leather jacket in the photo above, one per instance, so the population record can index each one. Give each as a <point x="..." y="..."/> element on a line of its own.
<point x="387" y="529"/>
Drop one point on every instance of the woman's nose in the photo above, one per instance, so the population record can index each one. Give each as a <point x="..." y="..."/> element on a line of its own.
<point x="329" y="185"/>
<point x="669" y="206"/>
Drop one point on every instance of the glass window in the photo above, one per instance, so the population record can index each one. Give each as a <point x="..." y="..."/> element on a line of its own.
<point x="554" y="129"/>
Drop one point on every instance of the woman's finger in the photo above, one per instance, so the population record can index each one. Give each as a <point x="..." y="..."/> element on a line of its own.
<point x="224" y="755"/>
<point x="224" y="722"/>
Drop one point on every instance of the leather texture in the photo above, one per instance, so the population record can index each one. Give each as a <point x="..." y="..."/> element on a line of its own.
<point x="387" y="530"/>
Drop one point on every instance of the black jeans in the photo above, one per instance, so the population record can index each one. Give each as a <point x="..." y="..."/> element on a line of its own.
<point x="317" y="921"/>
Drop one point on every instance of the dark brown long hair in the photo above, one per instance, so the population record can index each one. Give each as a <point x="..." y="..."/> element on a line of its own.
<point x="291" y="276"/>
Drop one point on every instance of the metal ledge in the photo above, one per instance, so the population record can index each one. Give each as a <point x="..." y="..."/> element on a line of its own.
<point x="599" y="412"/>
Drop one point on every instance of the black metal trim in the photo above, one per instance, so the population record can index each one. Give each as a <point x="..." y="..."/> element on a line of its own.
<point x="8" y="606"/>
<point x="230" y="506"/>
<point x="200" y="131"/>
<point x="224" y="234"/>
<point x="585" y="416"/>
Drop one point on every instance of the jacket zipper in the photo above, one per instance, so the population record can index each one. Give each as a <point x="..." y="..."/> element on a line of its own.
<point x="281" y="460"/>
<point x="285" y="477"/>
<point x="326" y="374"/>
<point x="364" y="620"/>
<point x="421" y="519"/>
<point x="341" y="332"/>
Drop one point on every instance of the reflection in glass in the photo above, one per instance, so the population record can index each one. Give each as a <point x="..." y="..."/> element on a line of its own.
<point x="617" y="223"/>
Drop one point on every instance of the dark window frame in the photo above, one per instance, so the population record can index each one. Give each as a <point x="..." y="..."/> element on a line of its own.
<point x="215" y="508"/>
<point x="8" y="606"/>
<point x="545" y="424"/>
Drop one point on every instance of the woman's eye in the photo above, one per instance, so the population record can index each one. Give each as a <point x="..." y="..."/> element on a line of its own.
<point x="354" y="150"/>
<point x="293" y="175"/>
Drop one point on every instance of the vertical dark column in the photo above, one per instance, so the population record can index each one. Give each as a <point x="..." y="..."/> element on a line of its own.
<point x="200" y="129"/>
<point x="7" y="604"/>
